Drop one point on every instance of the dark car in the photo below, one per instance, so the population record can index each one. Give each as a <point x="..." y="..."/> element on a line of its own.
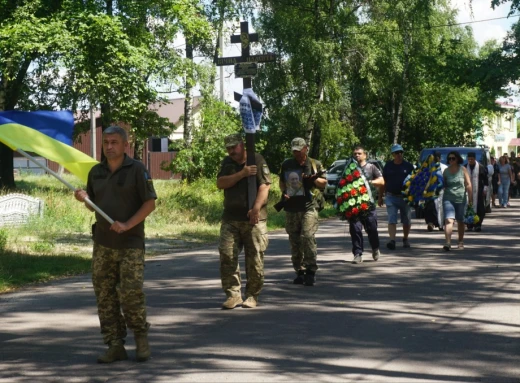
<point x="334" y="174"/>
<point x="482" y="155"/>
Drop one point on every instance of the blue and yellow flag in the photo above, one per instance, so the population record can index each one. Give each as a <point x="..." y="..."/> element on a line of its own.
<point x="57" y="124"/>
<point x="18" y="136"/>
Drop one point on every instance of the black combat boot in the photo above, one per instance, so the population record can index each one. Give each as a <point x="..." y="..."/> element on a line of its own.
<point x="310" y="278"/>
<point x="300" y="278"/>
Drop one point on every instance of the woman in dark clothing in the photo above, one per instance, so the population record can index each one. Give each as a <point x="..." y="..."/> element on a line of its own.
<point x="494" y="180"/>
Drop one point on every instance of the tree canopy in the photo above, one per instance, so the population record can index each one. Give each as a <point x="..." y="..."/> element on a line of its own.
<point x="347" y="71"/>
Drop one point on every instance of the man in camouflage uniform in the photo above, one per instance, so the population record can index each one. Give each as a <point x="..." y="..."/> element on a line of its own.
<point x="122" y="188"/>
<point x="301" y="215"/>
<point x="241" y="226"/>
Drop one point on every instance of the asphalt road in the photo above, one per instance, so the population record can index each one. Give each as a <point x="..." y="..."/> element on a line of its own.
<point x="416" y="315"/>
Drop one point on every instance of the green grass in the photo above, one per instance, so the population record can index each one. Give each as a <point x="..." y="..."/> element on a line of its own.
<point x="59" y="244"/>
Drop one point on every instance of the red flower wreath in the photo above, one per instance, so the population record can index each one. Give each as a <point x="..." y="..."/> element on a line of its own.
<point x="353" y="198"/>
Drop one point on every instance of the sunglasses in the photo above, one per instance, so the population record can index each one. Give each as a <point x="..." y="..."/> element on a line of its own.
<point x="452" y="158"/>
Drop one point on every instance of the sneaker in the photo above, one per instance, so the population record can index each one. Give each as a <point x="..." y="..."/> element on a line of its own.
<point x="478" y="228"/>
<point x="358" y="259"/>
<point x="232" y="302"/>
<point x="446" y="247"/>
<point x="375" y="254"/>
<point x="470" y="228"/>
<point x="508" y="204"/>
<point x="113" y="354"/>
<point x="406" y="243"/>
<point x="299" y="279"/>
<point x="461" y="245"/>
<point x="391" y="244"/>
<point x="250" y="303"/>
<point x="430" y="227"/>
<point x="309" y="279"/>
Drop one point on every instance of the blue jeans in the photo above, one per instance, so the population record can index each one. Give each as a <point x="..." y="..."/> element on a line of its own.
<point x="503" y="191"/>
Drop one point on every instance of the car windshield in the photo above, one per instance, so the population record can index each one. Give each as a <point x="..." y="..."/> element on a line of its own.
<point x="462" y="151"/>
<point x="337" y="169"/>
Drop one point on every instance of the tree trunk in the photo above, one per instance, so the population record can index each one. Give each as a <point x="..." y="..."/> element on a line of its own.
<point x="399" y="100"/>
<point x="138" y="150"/>
<point x="188" y="104"/>
<point x="10" y="94"/>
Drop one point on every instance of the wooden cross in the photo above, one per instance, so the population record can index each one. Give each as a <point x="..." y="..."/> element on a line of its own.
<point x="247" y="65"/>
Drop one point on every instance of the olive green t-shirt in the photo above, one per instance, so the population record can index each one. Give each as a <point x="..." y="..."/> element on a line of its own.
<point x="120" y="195"/>
<point x="236" y="197"/>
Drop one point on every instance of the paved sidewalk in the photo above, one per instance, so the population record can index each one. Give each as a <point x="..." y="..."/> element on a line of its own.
<point x="416" y="315"/>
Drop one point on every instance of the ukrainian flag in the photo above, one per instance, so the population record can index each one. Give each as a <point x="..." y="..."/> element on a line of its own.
<point x="18" y="136"/>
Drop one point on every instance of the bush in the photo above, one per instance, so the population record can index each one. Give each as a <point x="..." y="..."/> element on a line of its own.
<point x="3" y="240"/>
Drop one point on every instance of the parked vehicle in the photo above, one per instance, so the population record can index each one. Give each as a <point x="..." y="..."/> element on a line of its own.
<point x="334" y="174"/>
<point x="482" y="155"/>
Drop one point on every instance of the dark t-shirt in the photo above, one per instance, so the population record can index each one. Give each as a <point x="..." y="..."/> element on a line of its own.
<point x="301" y="196"/>
<point x="394" y="176"/>
<point x="371" y="171"/>
<point x="120" y="195"/>
<point x="236" y="203"/>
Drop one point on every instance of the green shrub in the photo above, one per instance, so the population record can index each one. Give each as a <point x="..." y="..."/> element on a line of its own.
<point x="3" y="240"/>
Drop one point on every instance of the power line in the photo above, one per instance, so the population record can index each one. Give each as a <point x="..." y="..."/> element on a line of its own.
<point x="435" y="26"/>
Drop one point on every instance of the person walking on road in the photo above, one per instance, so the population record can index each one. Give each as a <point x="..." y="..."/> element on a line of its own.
<point x="375" y="180"/>
<point x="457" y="185"/>
<point x="505" y="179"/>
<point x="494" y="180"/>
<point x="123" y="189"/>
<point x="478" y="175"/>
<point x="242" y="226"/>
<point x="301" y="211"/>
<point x="394" y="174"/>
<point x="433" y="208"/>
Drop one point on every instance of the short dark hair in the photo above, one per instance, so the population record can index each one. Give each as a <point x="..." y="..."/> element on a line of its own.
<point x="357" y="147"/>
<point x="437" y="154"/>
<point x="457" y="156"/>
<point x="472" y="155"/>
<point x="114" y="129"/>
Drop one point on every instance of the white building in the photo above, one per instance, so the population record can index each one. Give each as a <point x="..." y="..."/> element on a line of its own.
<point x="500" y="131"/>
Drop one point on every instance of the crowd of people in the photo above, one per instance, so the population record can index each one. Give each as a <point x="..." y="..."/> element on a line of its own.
<point x="122" y="188"/>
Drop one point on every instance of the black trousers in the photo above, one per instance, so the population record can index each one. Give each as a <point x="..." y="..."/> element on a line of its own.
<point x="430" y="213"/>
<point x="356" y="233"/>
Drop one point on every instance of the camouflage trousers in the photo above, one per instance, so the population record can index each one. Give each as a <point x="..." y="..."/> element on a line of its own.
<point x="301" y="227"/>
<point x="117" y="276"/>
<point x="235" y="235"/>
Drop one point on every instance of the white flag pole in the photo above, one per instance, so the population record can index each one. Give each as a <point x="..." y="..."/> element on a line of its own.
<point x="88" y="201"/>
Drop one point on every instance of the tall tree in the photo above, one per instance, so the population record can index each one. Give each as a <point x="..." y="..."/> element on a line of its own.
<point x="73" y="54"/>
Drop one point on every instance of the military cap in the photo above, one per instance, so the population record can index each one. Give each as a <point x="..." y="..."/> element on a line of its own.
<point x="298" y="144"/>
<point x="233" y="140"/>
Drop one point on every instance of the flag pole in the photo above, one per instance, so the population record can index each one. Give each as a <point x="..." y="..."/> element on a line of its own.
<point x="70" y="186"/>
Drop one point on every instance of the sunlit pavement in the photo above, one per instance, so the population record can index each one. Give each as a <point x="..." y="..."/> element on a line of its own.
<point x="416" y="315"/>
